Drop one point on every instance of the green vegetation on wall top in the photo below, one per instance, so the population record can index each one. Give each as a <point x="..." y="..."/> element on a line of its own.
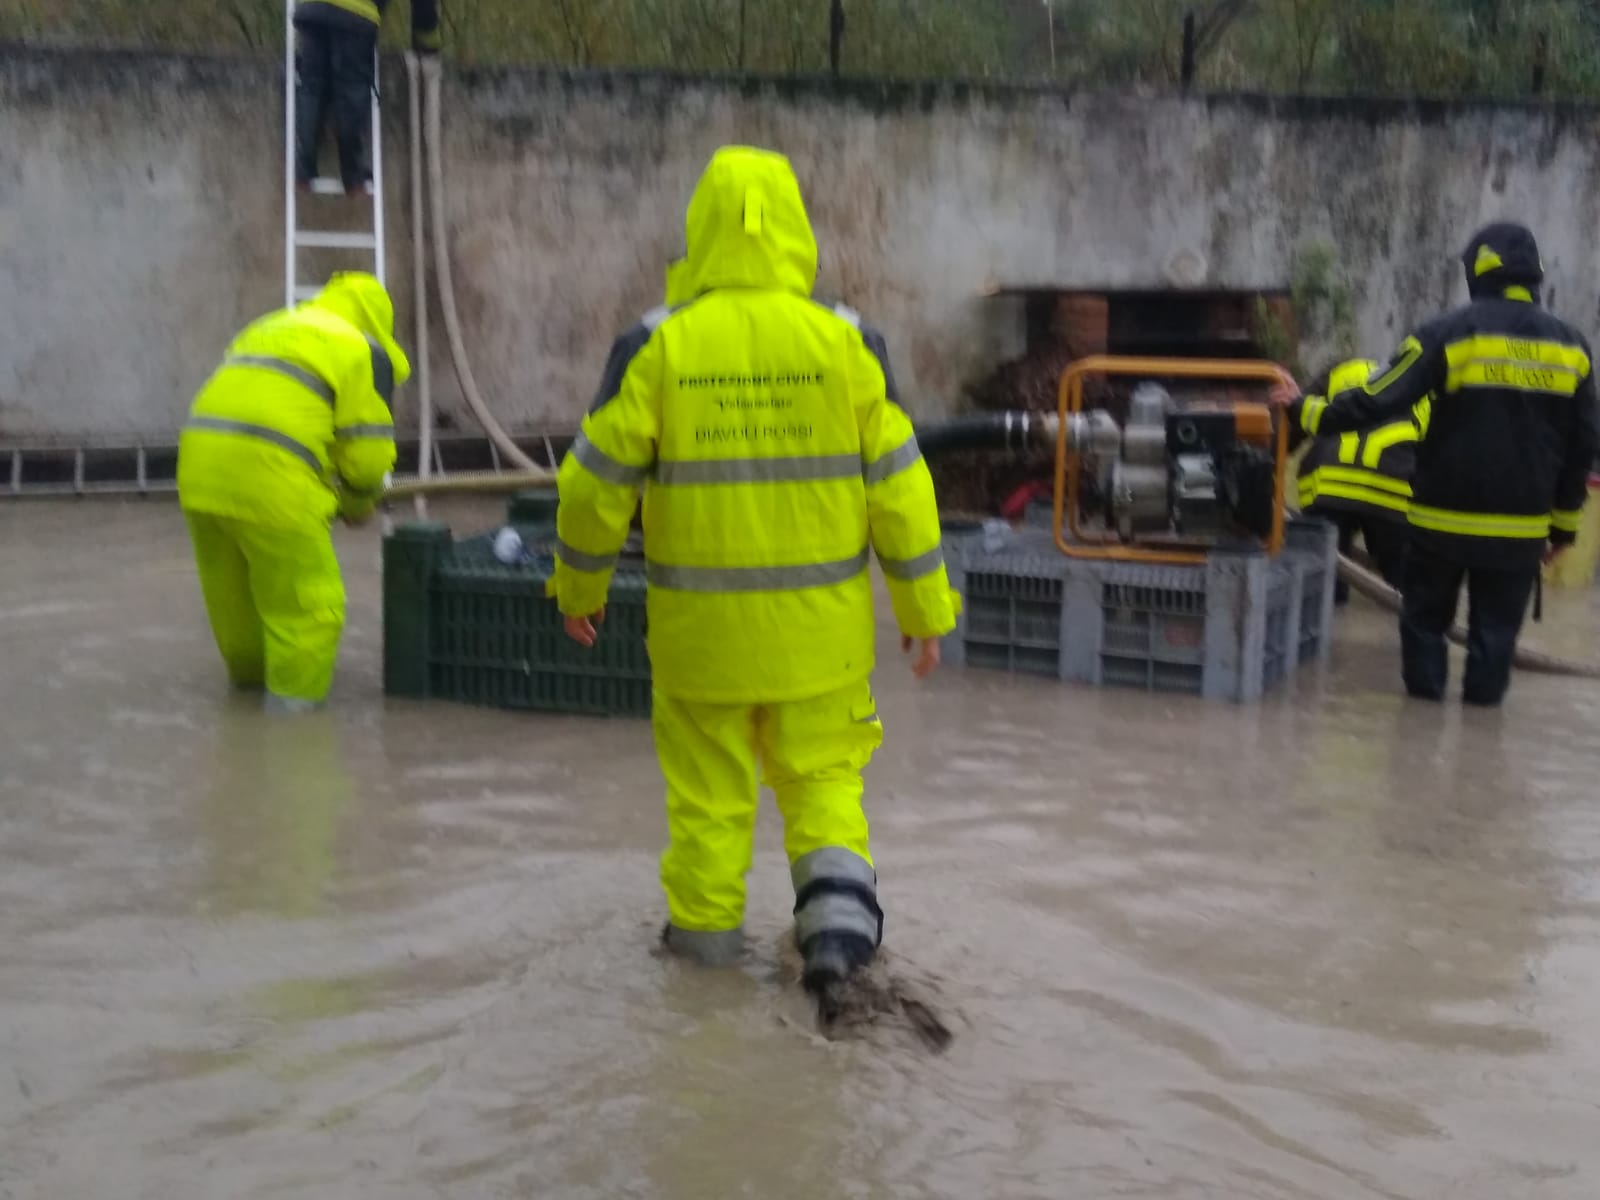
<point x="1504" y="48"/>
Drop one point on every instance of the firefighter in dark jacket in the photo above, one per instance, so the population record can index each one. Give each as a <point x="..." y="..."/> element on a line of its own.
<point x="334" y="77"/>
<point x="1361" y="481"/>
<point x="1502" y="466"/>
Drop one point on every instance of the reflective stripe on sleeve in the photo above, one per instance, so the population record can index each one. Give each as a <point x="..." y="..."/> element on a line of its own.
<point x="902" y="456"/>
<point x="1566" y="520"/>
<point x="909" y="569"/>
<point x="579" y="561"/>
<point x="1311" y="413"/>
<point x="597" y="462"/>
<point x="363" y="431"/>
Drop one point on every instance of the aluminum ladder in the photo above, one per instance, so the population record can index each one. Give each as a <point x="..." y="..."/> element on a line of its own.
<point x="296" y="239"/>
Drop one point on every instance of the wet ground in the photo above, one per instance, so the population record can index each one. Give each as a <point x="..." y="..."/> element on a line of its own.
<point x="1334" y="946"/>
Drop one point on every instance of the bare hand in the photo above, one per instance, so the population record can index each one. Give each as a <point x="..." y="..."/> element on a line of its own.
<point x="584" y="630"/>
<point x="927" y="661"/>
<point x="1554" y="551"/>
<point x="1284" y="393"/>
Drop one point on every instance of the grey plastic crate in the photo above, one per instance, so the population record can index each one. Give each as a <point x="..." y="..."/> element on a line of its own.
<point x="1281" y="643"/>
<point x="1314" y="545"/>
<point x="1228" y="629"/>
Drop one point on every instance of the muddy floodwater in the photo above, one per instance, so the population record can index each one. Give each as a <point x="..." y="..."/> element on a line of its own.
<point x="1334" y="946"/>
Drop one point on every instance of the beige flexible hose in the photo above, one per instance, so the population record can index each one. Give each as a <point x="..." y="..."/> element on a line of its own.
<point x="419" y="273"/>
<point x="478" y="483"/>
<point x="446" y="281"/>
<point x="1380" y="593"/>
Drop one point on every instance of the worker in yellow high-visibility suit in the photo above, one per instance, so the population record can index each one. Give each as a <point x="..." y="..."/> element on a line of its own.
<point x="763" y="430"/>
<point x="291" y="430"/>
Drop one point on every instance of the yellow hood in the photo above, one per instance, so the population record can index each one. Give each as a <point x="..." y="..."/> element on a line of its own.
<point x="747" y="228"/>
<point x="677" y="283"/>
<point x="360" y="299"/>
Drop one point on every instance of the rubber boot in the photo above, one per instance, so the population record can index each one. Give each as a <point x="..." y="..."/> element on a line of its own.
<point x="721" y="948"/>
<point x="832" y="957"/>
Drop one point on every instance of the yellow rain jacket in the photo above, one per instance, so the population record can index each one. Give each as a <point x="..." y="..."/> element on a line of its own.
<point x="294" y="426"/>
<point x="763" y="430"/>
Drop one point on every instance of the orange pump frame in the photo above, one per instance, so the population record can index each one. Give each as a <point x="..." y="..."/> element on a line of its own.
<point x="1069" y="461"/>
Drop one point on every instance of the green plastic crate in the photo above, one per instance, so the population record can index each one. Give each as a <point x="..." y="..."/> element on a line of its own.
<point x="460" y="625"/>
<point x="535" y="508"/>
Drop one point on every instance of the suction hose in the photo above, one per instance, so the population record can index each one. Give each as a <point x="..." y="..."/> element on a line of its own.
<point x="1380" y="593"/>
<point x="1006" y="431"/>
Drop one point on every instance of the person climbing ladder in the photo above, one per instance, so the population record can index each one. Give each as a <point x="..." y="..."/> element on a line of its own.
<point x="335" y="76"/>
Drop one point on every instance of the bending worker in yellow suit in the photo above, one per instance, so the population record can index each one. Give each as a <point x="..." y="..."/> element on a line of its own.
<point x="762" y="427"/>
<point x="292" y="429"/>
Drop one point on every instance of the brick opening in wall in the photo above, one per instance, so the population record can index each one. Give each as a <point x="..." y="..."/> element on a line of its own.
<point x="1170" y="322"/>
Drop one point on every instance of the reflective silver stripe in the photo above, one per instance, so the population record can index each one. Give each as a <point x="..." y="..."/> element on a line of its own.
<point x="802" y="468"/>
<point x="845" y="313"/>
<point x="294" y="371"/>
<point x="282" y="440"/>
<point x="892" y="463"/>
<point x="835" y="912"/>
<point x="653" y="319"/>
<point x="913" y="568"/>
<point x="754" y="579"/>
<point x="363" y="431"/>
<point x="717" y="948"/>
<point x="579" y="561"/>
<point x="832" y="862"/>
<point x="598" y="462"/>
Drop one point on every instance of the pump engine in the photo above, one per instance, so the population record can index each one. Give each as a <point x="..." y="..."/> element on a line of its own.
<point x="1195" y="470"/>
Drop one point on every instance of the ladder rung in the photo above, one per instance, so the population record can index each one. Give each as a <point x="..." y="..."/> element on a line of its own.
<point x="336" y="241"/>
<point x="324" y="185"/>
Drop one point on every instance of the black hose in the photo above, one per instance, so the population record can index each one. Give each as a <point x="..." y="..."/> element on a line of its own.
<point x="979" y="431"/>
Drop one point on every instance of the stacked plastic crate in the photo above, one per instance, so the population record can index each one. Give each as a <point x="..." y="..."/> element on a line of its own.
<point x="459" y="624"/>
<point x="1230" y="628"/>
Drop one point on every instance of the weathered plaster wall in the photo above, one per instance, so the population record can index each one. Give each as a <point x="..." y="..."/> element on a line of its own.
<point x="141" y="214"/>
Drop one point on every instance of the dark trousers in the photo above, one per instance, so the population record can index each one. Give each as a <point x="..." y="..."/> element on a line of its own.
<point x="1385" y="540"/>
<point x="1497" y="601"/>
<point x="334" y="77"/>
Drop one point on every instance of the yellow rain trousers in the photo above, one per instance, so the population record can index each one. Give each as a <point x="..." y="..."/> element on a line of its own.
<point x="275" y="601"/>
<point x="809" y="752"/>
<point x="291" y="430"/>
<point x="762" y="428"/>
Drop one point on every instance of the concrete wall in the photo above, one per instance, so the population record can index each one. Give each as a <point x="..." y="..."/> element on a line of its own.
<point x="140" y="214"/>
